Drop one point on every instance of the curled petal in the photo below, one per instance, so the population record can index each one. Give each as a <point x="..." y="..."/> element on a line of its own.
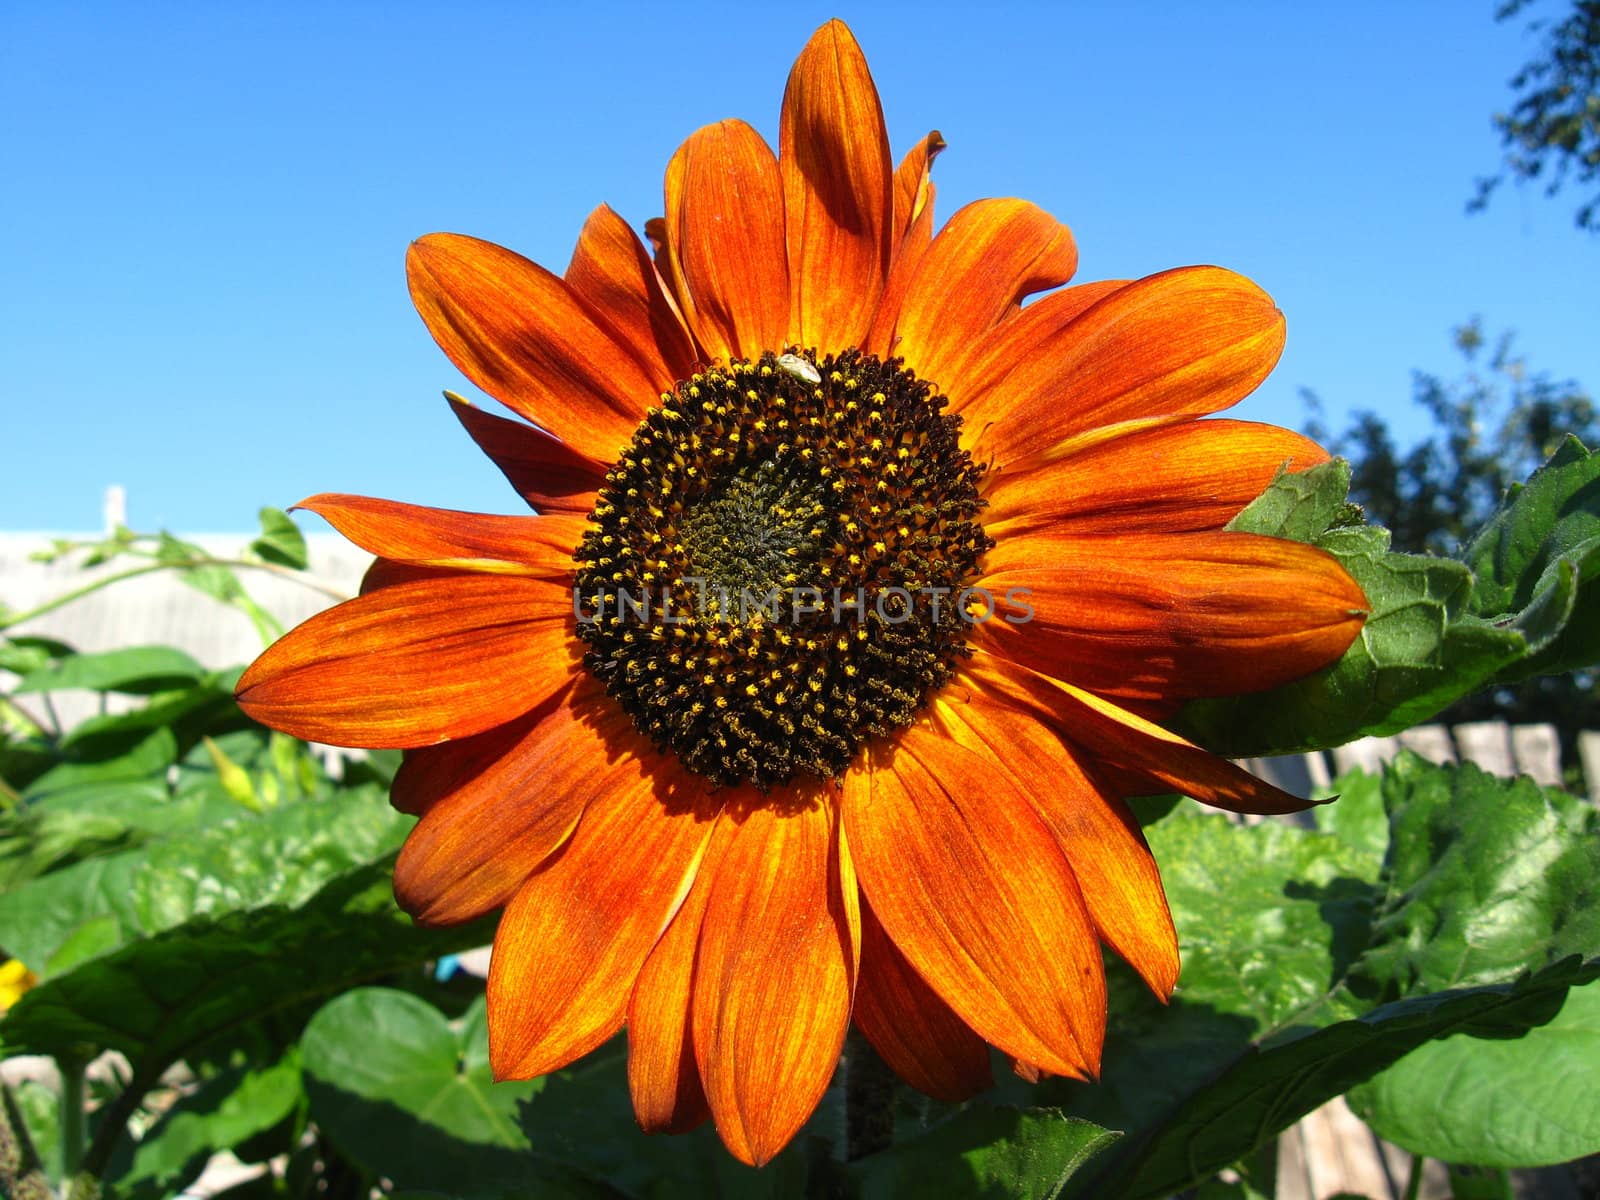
<point x="724" y="241"/>
<point x="612" y="274"/>
<point x="1138" y="750"/>
<point x="663" y="1077"/>
<point x="971" y="887"/>
<point x="983" y="262"/>
<point x="912" y="1029"/>
<point x="519" y="333"/>
<point x="1096" y="832"/>
<point x="834" y="159"/>
<point x="766" y="1039"/>
<point x="913" y="233"/>
<point x="418" y="662"/>
<point x="571" y="943"/>
<point x="497" y="805"/>
<point x="546" y="472"/>
<point x="913" y="193"/>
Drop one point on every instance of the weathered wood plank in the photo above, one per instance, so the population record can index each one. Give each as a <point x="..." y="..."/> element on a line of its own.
<point x="1487" y="743"/>
<point x="1368" y="753"/>
<point x="1589" y="755"/>
<point x="1432" y="742"/>
<point x="1537" y="750"/>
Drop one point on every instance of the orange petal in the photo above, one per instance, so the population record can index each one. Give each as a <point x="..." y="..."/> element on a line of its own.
<point x="985" y="260"/>
<point x="611" y="272"/>
<point x="386" y="573"/>
<point x="911" y="1028"/>
<point x="775" y="974"/>
<point x="1171" y="615"/>
<point x="497" y="805"/>
<point x="971" y="887"/>
<point x="1098" y="835"/>
<point x="913" y="194"/>
<point x="466" y="541"/>
<point x="834" y="159"/>
<point x="519" y="333"/>
<point x="417" y="663"/>
<point x="1129" y="744"/>
<point x="1183" y="343"/>
<point x="1183" y="478"/>
<point x="663" y="1077"/>
<point x="546" y="472"/>
<point x="913" y="232"/>
<point x="571" y="943"/>
<point x="725" y="241"/>
<point x="1015" y="341"/>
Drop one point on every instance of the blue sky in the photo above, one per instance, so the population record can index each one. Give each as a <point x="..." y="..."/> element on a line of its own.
<point x="207" y="206"/>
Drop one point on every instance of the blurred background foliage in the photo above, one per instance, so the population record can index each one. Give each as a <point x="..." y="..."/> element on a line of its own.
<point x="1552" y="132"/>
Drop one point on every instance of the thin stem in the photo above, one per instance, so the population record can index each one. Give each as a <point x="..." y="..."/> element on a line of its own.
<point x="289" y="573"/>
<point x="868" y="1099"/>
<point x="51" y="715"/>
<point x="87" y="589"/>
<point x="74" y="1117"/>
<point x="1414" y="1179"/>
<point x="115" y="1117"/>
<point x="66" y="598"/>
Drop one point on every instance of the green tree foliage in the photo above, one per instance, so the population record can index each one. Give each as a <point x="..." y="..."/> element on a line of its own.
<point x="1553" y="131"/>
<point x="1491" y="426"/>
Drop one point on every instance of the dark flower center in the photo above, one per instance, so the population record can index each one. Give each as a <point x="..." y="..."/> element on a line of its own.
<point x="777" y="561"/>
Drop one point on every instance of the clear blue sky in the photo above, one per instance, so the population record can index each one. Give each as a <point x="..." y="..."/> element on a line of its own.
<point x="207" y="206"/>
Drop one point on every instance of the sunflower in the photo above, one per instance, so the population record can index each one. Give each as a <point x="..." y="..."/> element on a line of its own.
<point x="857" y="592"/>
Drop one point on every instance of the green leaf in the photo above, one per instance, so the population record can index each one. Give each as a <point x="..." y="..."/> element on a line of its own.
<point x="160" y="950"/>
<point x="982" y="1151"/>
<point x="1556" y="514"/>
<point x="223" y="1112"/>
<point x="1485" y="878"/>
<point x="278" y="860"/>
<point x="139" y="670"/>
<point x="131" y="755"/>
<point x="582" y="1119"/>
<point x="1540" y="554"/>
<point x="406" y="1094"/>
<point x="1271" y="1087"/>
<point x="281" y="541"/>
<point x="1358" y="819"/>
<point x="1529" y="1102"/>
<point x="1313" y="960"/>
<point x="409" y="1097"/>
<point x="24" y="655"/>
<point x="177" y="552"/>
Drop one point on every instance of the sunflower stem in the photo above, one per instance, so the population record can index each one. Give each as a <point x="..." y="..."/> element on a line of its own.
<point x="73" y="1113"/>
<point x="868" y="1099"/>
<point x="1414" y="1180"/>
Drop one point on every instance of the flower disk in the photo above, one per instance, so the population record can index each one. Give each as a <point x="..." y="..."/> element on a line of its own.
<point x="776" y="563"/>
